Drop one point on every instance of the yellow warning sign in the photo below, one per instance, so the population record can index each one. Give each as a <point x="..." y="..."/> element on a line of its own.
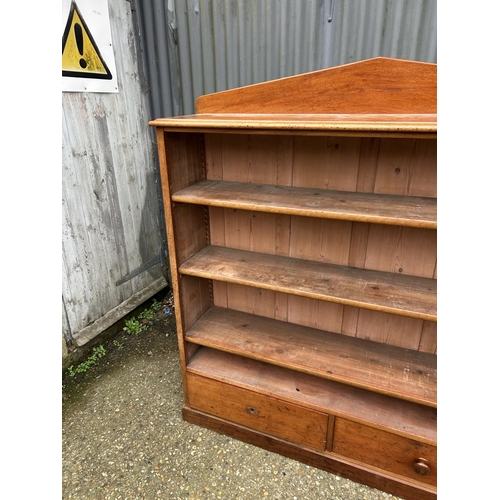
<point x="80" y="55"/>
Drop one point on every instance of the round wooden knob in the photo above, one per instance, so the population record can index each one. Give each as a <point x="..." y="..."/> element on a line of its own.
<point x="421" y="466"/>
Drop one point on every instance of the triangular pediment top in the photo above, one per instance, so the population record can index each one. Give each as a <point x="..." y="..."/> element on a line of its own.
<point x="378" y="85"/>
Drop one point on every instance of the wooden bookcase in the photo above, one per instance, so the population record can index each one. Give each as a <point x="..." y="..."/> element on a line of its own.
<point x="301" y="221"/>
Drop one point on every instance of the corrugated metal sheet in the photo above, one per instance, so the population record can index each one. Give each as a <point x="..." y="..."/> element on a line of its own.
<point x="195" y="47"/>
<point x="110" y="191"/>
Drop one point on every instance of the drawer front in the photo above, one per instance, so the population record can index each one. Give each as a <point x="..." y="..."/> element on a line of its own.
<point x="386" y="451"/>
<point x="263" y="413"/>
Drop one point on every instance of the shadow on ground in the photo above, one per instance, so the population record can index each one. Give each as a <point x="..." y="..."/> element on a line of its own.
<point x="124" y="437"/>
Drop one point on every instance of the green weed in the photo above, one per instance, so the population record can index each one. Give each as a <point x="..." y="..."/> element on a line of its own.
<point x="117" y="344"/>
<point x="98" y="352"/>
<point x="155" y="306"/>
<point x="132" y="326"/>
<point x="146" y="314"/>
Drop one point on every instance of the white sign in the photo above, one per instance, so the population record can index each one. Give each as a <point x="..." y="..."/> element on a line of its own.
<point x="88" y="61"/>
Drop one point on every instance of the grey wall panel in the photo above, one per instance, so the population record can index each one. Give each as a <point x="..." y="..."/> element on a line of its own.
<point x="194" y="47"/>
<point x="110" y="213"/>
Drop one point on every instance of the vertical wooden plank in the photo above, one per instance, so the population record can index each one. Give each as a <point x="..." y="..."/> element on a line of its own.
<point x="407" y="167"/>
<point x="254" y="301"/>
<point x="367" y="170"/>
<point x="259" y="232"/>
<point x="365" y="183"/>
<point x="258" y="159"/>
<point x="234" y="157"/>
<point x="251" y="300"/>
<point x="281" y="307"/>
<point x="213" y="156"/>
<point x="321" y="240"/>
<point x="218" y="237"/>
<point x="326" y="162"/>
<point x="402" y="250"/>
<point x="217" y="226"/>
<point x="219" y="291"/>
<point x="315" y="313"/>
<point x="349" y="325"/>
<point x="389" y="329"/>
<point x="424" y="171"/>
<point x="428" y="341"/>
<point x="262" y="159"/>
<point x="285" y="160"/>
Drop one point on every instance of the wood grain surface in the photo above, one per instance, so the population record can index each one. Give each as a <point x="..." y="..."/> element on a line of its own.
<point x="410" y="296"/>
<point x="398" y="372"/>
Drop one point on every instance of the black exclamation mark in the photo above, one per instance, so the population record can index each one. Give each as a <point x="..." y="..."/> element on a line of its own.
<point x="79" y="43"/>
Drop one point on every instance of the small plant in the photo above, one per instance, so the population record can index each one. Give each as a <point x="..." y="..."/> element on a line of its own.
<point x="132" y="326"/>
<point x="155" y="306"/>
<point x="117" y="344"/>
<point x="99" y="352"/>
<point x="146" y="314"/>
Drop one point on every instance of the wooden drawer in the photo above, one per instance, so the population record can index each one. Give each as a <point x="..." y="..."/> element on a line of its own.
<point x="267" y="414"/>
<point x="386" y="451"/>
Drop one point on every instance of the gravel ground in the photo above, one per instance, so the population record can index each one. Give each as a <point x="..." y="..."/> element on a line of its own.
<point x="123" y="436"/>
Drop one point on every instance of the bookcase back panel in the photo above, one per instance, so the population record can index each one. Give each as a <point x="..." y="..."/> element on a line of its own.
<point x="400" y="250"/>
<point x="384" y="328"/>
<point x="249" y="158"/>
<point x="384" y="166"/>
<point x="408" y="167"/>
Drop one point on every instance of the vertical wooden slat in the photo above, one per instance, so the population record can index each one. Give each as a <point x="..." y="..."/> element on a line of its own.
<point x="218" y="237"/>
<point x="321" y="240"/>
<point x="285" y="161"/>
<point x="401" y="250"/>
<point x="324" y="241"/>
<point x="367" y="169"/>
<point x="365" y="183"/>
<point x="326" y="162"/>
<point x="389" y="329"/>
<point x="213" y="156"/>
<point x="428" y="341"/>
<point x="251" y="300"/>
<point x="260" y="232"/>
<point x="315" y="313"/>
<point x="407" y="167"/>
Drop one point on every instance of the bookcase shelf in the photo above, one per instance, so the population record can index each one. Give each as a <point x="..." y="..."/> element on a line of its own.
<point x="408" y="211"/>
<point x="390" y="370"/>
<point x="301" y="220"/>
<point x="410" y="296"/>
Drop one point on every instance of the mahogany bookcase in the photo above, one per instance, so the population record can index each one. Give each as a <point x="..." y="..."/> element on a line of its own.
<point x="301" y="220"/>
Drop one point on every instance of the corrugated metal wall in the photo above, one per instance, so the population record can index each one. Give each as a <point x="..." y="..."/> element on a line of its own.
<point x="194" y="47"/>
<point x="110" y="214"/>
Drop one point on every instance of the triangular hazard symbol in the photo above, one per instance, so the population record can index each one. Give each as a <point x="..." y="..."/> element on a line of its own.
<point x="80" y="54"/>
